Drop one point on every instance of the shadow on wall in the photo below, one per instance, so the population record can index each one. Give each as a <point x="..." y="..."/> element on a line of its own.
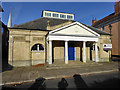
<point x="5" y="45"/>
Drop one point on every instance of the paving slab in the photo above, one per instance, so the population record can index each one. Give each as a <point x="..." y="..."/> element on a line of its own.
<point x="22" y="74"/>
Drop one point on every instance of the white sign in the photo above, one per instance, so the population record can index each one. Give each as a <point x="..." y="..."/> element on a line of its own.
<point x="107" y="46"/>
<point x="37" y="53"/>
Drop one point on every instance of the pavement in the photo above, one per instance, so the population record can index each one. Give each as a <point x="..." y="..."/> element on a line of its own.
<point x="57" y="70"/>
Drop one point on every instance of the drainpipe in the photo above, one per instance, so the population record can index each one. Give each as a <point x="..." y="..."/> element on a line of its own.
<point x="12" y="51"/>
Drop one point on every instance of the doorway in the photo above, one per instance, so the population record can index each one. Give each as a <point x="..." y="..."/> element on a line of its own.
<point x="71" y="51"/>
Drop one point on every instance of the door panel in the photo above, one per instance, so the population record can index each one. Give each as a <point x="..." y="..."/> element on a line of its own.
<point x="71" y="51"/>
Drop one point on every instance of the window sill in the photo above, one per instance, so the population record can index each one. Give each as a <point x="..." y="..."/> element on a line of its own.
<point x="38" y="51"/>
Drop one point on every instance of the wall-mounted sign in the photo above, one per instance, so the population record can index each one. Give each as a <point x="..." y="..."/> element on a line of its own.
<point x="107" y="46"/>
<point x="37" y="53"/>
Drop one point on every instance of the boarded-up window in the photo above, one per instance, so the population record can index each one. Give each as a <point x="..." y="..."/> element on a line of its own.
<point x="37" y="47"/>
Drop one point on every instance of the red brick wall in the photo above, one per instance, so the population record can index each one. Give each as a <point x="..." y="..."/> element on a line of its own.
<point x="115" y="32"/>
<point x="117" y="7"/>
<point x="119" y="38"/>
<point x="115" y="37"/>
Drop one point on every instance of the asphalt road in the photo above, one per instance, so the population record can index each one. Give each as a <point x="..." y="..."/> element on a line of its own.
<point x="104" y="80"/>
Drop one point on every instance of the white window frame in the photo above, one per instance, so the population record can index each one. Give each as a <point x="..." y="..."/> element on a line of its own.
<point x="38" y="49"/>
<point x="55" y="15"/>
<point x="62" y="15"/>
<point x="46" y="14"/>
<point x="69" y="17"/>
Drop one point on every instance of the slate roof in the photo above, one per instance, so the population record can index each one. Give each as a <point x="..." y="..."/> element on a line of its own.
<point x="41" y="23"/>
<point x="107" y="19"/>
<point x="98" y="31"/>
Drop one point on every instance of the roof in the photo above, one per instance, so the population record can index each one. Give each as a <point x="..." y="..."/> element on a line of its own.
<point x="97" y="30"/>
<point x="41" y="23"/>
<point x="28" y="29"/>
<point x="110" y="18"/>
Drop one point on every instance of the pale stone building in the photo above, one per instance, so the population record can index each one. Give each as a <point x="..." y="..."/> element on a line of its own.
<point x="56" y="37"/>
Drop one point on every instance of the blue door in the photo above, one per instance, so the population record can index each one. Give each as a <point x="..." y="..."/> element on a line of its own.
<point x="71" y="51"/>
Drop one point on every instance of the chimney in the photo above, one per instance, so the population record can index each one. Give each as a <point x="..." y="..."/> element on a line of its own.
<point x="15" y="25"/>
<point x="117" y="7"/>
<point x="94" y="20"/>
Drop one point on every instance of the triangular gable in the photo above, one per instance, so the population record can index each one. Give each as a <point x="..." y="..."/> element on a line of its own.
<point x="75" y="28"/>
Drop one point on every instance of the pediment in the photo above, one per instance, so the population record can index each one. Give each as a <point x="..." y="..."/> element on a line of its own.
<point x="75" y="29"/>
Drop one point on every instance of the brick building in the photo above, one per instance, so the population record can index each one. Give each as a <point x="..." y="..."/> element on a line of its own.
<point x="114" y="20"/>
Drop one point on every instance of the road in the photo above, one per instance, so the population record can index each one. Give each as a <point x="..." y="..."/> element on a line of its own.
<point x="104" y="80"/>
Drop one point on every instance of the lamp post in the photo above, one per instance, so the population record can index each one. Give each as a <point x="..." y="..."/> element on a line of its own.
<point x="110" y="28"/>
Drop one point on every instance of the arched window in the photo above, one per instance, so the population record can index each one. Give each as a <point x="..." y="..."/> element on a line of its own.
<point x="37" y="47"/>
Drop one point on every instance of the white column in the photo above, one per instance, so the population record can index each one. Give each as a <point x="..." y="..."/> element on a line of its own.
<point x="93" y="53"/>
<point x="38" y="47"/>
<point x="66" y="52"/>
<point x="50" y="52"/>
<point x="96" y="52"/>
<point x="84" y="51"/>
